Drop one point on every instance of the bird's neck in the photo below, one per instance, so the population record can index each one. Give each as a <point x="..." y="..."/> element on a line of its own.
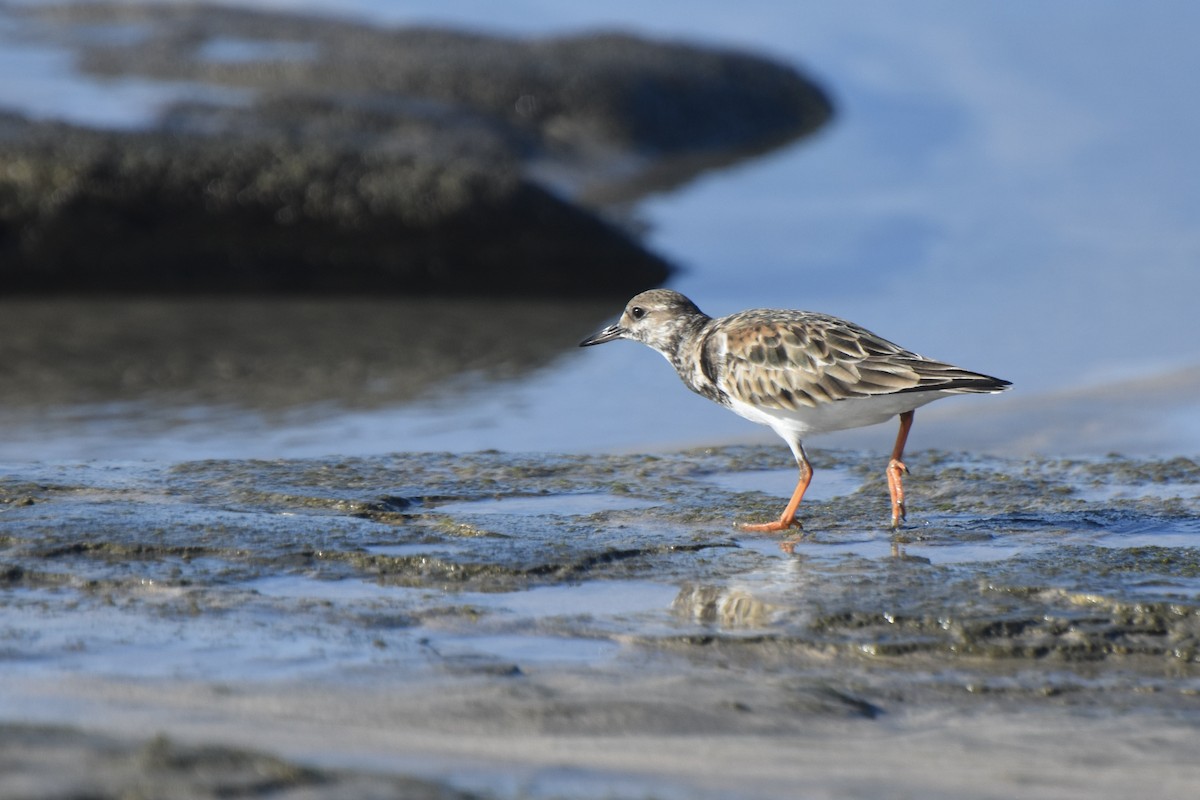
<point x="685" y="338"/>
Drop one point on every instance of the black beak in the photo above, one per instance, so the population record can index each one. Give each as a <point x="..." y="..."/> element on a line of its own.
<point x="613" y="331"/>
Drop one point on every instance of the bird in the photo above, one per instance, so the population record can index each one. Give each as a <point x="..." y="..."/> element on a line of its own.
<point x="797" y="372"/>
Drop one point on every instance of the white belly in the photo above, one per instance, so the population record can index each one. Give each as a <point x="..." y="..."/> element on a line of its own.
<point x="853" y="412"/>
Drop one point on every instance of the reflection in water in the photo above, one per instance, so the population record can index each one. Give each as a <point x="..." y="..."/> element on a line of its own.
<point x="269" y="355"/>
<point x="724" y="606"/>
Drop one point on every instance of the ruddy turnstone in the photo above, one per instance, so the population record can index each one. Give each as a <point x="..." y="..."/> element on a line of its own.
<point x="798" y="372"/>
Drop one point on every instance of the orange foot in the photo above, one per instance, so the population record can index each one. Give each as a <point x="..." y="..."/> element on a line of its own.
<point x="781" y="524"/>
<point x="895" y="471"/>
<point x="788" y="518"/>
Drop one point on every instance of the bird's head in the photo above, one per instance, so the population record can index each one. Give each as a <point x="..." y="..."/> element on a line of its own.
<point x="659" y="318"/>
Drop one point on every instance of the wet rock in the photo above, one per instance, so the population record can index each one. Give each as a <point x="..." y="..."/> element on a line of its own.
<point x="512" y="603"/>
<point x="347" y="158"/>
<point x="1064" y="580"/>
<point x="164" y="212"/>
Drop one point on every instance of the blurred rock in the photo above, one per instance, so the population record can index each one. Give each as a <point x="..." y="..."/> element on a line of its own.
<point x="340" y="157"/>
<point x="129" y="212"/>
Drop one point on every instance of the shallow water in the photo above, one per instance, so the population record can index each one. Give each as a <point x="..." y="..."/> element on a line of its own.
<point x="976" y="199"/>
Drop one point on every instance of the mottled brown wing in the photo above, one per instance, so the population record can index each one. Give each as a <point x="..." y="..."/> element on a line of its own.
<point x="792" y="359"/>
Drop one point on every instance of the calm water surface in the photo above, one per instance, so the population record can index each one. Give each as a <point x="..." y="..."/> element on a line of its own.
<point x="1011" y="187"/>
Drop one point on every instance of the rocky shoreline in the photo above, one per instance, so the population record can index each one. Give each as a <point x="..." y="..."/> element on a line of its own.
<point x="543" y="626"/>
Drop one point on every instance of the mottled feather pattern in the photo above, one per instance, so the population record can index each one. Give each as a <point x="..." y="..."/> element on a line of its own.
<point x="784" y="360"/>
<point x="791" y="359"/>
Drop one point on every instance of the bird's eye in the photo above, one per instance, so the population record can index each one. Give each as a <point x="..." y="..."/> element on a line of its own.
<point x="637" y="312"/>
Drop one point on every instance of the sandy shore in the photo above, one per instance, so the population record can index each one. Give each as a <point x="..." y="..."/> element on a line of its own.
<point x="562" y="734"/>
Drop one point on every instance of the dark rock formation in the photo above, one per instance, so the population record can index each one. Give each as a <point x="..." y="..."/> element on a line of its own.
<point x="347" y="158"/>
<point x="100" y="212"/>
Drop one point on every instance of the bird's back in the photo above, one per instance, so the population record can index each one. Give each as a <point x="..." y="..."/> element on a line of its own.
<point x="793" y="360"/>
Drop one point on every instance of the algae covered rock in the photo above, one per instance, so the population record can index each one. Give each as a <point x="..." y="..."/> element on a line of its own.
<point x="318" y="155"/>
<point x="152" y="211"/>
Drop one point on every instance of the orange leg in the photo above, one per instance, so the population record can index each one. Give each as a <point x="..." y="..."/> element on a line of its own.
<point x="896" y="468"/>
<point x="788" y="519"/>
